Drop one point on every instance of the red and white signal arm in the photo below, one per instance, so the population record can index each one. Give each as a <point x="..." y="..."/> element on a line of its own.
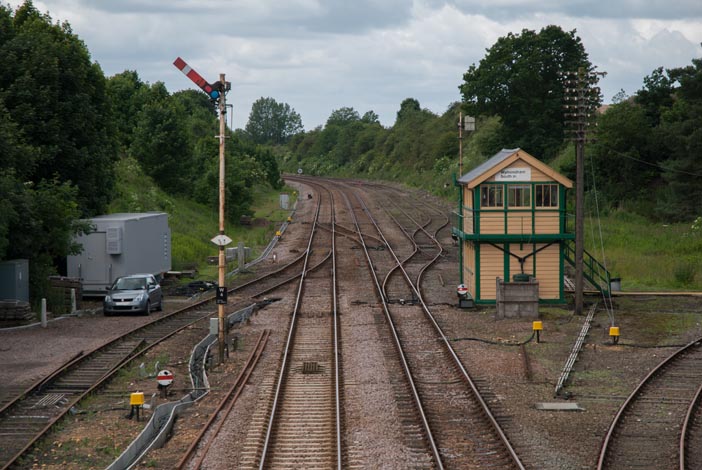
<point x="462" y="289"/>
<point x="164" y="378"/>
<point x="212" y="90"/>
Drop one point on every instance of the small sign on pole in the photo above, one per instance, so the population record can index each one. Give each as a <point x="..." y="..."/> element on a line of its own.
<point x="221" y="297"/>
<point x="165" y="380"/>
<point x="221" y="240"/>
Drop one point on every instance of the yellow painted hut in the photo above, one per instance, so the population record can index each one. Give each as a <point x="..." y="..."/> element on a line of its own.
<point x="512" y="222"/>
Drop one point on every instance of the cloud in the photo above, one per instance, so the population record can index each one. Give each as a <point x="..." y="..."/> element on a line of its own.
<point x="321" y="55"/>
<point x="642" y="9"/>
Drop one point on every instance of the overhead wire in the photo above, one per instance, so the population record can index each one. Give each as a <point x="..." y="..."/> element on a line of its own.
<point x="644" y="162"/>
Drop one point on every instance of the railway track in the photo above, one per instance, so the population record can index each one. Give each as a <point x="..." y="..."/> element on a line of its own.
<point x="691" y="436"/>
<point x="300" y="425"/>
<point x="460" y="431"/>
<point x="658" y="424"/>
<point x="29" y="416"/>
<point x="35" y="410"/>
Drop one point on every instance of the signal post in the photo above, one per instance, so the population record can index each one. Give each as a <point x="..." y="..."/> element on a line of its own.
<point x="217" y="93"/>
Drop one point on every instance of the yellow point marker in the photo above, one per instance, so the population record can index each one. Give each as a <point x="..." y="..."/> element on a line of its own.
<point x="136" y="399"/>
<point x="537" y="326"/>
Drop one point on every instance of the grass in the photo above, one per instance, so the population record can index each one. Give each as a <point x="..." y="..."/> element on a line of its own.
<point x="193" y="225"/>
<point x="646" y="255"/>
<point x="659" y="321"/>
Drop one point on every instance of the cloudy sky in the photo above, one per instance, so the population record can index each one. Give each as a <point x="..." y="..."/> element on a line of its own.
<point x="321" y="55"/>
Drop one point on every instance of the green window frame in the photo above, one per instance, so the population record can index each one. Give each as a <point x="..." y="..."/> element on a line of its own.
<point x="519" y="195"/>
<point x="491" y="196"/>
<point x="546" y="195"/>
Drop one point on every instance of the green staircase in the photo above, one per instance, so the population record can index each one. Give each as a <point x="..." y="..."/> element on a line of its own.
<point x="593" y="270"/>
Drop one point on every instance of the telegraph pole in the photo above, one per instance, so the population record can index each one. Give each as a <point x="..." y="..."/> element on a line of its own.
<point x="218" y="94"/>
<point x="581" y="101"/>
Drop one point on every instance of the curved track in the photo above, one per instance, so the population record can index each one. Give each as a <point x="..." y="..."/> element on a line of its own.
<point x="647" y="430"/>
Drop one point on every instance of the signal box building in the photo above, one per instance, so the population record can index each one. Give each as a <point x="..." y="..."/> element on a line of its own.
<point x="512" y="225"/>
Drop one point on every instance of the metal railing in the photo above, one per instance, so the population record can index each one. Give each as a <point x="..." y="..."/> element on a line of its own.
<point x="593" y="270"/>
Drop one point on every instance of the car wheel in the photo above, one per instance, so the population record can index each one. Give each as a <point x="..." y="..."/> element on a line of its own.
<point x="106" y="313"/>
<point x="148" y="308"/>
<point x="160" y="305"/>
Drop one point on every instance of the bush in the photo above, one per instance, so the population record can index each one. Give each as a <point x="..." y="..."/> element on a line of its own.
<point x="684" y="273"/>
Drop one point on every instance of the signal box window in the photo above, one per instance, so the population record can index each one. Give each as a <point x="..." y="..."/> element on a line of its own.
<point x="546" y="195"/>
<point x="519" y="195"/>
<point x="491" y="196"/>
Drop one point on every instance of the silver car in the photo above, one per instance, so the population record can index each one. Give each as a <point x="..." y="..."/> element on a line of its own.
<point x="138" y="293"/>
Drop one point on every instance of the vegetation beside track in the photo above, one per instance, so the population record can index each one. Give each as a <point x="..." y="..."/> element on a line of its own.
<point x="647" y="255"/>
<point x="193" y="224"/>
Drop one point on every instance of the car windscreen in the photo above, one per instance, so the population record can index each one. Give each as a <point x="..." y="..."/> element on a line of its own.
<point x="129" y="284"/>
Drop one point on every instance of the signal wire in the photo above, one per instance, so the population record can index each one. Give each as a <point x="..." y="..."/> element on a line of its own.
<point x="609" y="306"/>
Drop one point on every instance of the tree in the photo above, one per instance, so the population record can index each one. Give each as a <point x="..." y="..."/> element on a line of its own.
<point x="623" y="156"/>
<point x="128" y="95"/>
<point x="38" y="222"/>
<point x="656" y="95"/>
<point x="271" y="122"/>
<point x="370" y="117"/>
<point x="408" y="107"/>
<point x="343" y="116"/>
<point x="162" y="147"/>
<point x="518" y="80"/>
<point x="57" y="101"/>
<point x="681" y="132"/>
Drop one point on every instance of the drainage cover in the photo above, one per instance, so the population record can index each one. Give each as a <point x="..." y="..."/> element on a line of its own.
<point x="50" y="399"/>
<point x="310" y="367"/>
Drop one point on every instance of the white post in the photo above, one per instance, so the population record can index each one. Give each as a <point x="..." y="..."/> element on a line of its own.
<point x="73" y="300"/>
<point x="241" y="255"/>
<point x="43" y="313"/>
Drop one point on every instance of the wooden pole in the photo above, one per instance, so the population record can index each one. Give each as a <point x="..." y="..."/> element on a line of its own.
<point x="222" y="266"/>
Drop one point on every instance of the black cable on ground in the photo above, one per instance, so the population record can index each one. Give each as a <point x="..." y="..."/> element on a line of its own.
<point x="499" y="343"/>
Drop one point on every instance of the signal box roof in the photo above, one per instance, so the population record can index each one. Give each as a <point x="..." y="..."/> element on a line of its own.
<point x="502" y="160"/>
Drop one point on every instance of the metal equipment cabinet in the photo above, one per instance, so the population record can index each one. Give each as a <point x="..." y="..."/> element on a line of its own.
<point x="14" y="280"/>
<point x="122" y="244"/>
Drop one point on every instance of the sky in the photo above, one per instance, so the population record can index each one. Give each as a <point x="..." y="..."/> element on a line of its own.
<point x="322" y="55"/>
